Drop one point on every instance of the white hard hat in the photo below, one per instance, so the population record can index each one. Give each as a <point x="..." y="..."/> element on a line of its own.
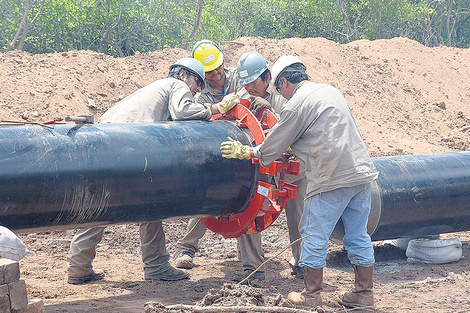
<point x="281" y="64"/>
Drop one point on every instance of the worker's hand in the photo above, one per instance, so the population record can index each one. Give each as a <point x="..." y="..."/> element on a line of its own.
<point x="234" y="149"/>
<point x="228" y="102"/>
<point x="289" y="154"/>
<point x="258" y="103"/>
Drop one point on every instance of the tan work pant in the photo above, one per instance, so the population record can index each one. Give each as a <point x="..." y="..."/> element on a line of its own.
<point x="152" y="242"/>
<point x="251" y="251"/>
<point x="294" y="209"/>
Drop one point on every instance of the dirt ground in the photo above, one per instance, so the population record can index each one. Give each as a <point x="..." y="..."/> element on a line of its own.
<point x="407" y="99"/>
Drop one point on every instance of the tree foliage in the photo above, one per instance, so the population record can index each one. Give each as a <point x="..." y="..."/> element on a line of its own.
<point x="121" y="27"/>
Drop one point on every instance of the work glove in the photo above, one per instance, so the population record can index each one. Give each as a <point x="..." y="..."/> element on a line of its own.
<point x="234" y="149"/>
<point x="258" y="103"/>
<point x="289" y="154"/>
<point x="228" y="102"/>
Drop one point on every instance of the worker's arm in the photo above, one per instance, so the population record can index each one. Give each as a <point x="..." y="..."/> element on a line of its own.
<point x="281" y="136"/>
<point x="284" y="133"/>
<point x="182" y="105"/>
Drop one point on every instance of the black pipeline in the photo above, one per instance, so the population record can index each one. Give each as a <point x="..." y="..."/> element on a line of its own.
<point x="418" y="195"/>
<point x="87" y="175"/>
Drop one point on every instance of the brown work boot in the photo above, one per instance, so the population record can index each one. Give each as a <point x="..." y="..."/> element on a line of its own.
<point x="362" y="295"/>
<point x="171" y="274"/>
<point x="95" y="274"/>
<point x="310" y="296"/>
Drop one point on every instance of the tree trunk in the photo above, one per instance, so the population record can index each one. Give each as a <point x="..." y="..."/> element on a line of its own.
<point x="448" y="28"/>
<point x="196" y="24"/>
<point x="22" y="31"/>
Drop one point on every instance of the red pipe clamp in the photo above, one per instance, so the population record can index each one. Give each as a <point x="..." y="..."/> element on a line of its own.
<point x="269" y="199"/>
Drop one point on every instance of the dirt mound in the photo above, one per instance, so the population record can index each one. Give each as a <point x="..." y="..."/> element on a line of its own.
<point x="407" y="99"/>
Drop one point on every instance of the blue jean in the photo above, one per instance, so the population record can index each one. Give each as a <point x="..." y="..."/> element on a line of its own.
<point x="322" y="212"/>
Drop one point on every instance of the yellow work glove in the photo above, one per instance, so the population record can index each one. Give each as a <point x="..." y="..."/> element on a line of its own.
<point x="234" y="149"/>
<point x="258" y="103"/>
<point x="228" y="102"/>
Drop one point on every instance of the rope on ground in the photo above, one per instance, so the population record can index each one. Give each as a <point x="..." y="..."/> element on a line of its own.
<point x="273" y="257"/>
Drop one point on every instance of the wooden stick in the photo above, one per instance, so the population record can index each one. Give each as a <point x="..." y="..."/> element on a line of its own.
<point x="246" y="308"/>
<point x="268" y="260"/>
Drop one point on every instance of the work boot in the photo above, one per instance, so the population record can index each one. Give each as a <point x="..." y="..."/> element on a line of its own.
<point x="362" y="295"/>
<point x="96" y="274"/>
<point x="310" y="296"/>
<point x="257" y="276"/>
<point x="185" y="260"/>
<point x="297" y="272"/>
<point x="170" y="274"/>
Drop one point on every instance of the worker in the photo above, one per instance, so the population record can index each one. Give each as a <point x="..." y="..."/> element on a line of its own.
<point x="166" y="99"/>
<point x="317" y="124"/>
<point x="220" y="81"/>
<point x="254" y="74"/>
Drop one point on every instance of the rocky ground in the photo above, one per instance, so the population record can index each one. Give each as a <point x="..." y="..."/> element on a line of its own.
<point x="407" y="99"/>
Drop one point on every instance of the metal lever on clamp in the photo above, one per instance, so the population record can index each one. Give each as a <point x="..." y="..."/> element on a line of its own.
<point x="81" y="119"/>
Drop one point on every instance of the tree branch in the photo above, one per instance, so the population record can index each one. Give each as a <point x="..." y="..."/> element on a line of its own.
<point x="246" y="308"/>
<point x="196" y="24"/>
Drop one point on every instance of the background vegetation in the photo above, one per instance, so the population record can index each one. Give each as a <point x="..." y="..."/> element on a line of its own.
<point x="121" y="27"/>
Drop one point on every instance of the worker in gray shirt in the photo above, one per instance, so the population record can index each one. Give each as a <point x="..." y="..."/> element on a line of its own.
<point x="166" y="99"/>
<point x="220" y="82"/>
<point x="255" y="76"/>
<point x="317" y="123"/>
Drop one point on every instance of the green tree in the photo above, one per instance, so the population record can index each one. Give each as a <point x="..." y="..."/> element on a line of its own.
<point x="122" y="27"/>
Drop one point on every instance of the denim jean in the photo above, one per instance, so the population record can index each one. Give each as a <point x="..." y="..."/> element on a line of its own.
<point x="322" y="212"/>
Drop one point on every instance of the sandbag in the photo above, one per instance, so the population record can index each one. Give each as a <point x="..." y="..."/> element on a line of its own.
<point x="11" y="247"/>
<point x="402" y="243"/>
<point x="434" y="251"/>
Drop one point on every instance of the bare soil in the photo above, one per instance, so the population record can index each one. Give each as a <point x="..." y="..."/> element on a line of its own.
<point x="407" y="99"/>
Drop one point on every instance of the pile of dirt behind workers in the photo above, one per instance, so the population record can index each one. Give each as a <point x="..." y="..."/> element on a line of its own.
<point x="406" y="98"/>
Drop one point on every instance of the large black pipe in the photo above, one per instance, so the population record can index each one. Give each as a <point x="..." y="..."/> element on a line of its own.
<point x="419" y="195"/>
<point x="118" y="173"/>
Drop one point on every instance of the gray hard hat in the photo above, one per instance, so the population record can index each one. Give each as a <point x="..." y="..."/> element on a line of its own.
<point x="250" y="66"/>
<point x="194" y="66"/>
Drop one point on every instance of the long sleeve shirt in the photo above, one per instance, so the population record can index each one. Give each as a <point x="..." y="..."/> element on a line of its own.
<point x="318" y="125"/>
<point x="210" y="95"/>
<point x="166" y="99"/>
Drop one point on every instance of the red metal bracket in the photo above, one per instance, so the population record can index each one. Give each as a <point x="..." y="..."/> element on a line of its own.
<point x="267" y="203"/>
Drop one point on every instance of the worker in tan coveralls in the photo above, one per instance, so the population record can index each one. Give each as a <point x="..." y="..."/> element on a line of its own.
<point x="255" y="76"/>
<point x="166" y="99"/>
<point x="220" y="81"/>
<point x="317" y="123"/>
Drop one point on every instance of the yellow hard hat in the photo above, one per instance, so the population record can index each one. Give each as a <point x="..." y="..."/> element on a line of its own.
<point x="209" y="54"/>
